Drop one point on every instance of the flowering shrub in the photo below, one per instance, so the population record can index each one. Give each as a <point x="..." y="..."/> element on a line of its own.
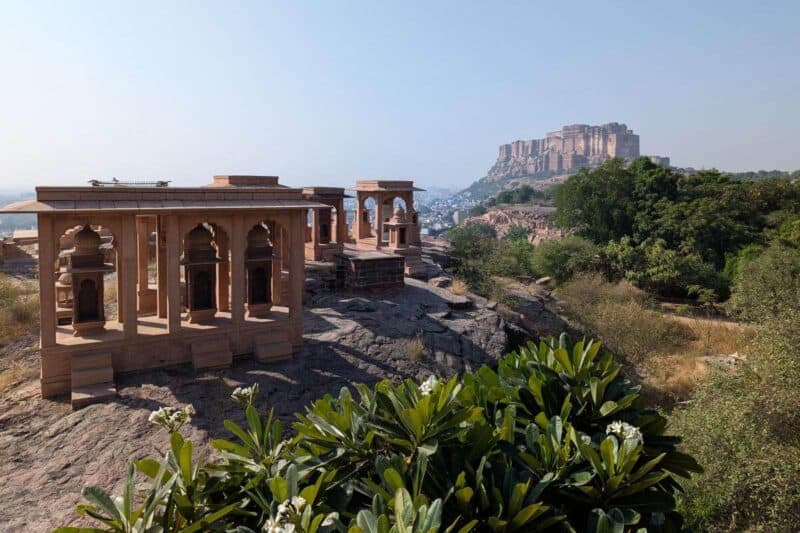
<point x="555" y="437"/>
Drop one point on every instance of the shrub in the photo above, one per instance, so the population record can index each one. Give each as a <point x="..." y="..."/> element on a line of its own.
<point x="517" y="232"/>
<point x="471" y="247"/>
<point x="415" y="348"/>
<point x="742" y="424"/>
<point x="562" y="259"/>
<point x="459" y="287"/>
<point x="512" y="258"/>
<point x="655" y="268"/>
<point x="768" y="285"/>
<point x="556" y="436"/>
<point x="477" y="210"/>
<point x="619" y="314"/>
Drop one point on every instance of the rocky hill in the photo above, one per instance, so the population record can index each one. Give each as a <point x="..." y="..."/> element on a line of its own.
<point x="536" y="219"/>
<point x="541" y="163"/>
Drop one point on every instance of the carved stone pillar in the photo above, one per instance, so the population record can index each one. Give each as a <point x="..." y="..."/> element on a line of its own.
<point x="173" y="249"/>
<point x="237" y="271"/>
<point x="47" y="281"/>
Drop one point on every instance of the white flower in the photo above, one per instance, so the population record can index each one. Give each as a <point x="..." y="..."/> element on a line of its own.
<point x="624" y="431"/>
<point x="428" y="385"/>
<point x="245" y="395"/>
<point x="170" y="418"/>
<point x="271" y="526"/>
<point x="298" y="502"/>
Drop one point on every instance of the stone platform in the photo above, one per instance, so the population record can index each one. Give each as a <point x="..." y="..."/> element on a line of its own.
<point x="360" y="269"/>
<point x="208" y="345"/>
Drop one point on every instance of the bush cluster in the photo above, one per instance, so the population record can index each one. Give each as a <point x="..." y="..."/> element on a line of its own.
<point x="672" y="233"/>
<point x="478" y="255"/>
<point x="555" y="437"/>
<point x="742" y="424"/>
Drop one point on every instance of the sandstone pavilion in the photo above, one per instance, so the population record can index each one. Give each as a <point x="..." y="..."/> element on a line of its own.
<point x="136" y="276"/>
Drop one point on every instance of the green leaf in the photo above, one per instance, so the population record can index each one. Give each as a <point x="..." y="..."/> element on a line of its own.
<point x="279" y="488"/>
<point x="185" y="461"/>
<point x="203" y="523"/>
<point x="148" y="467"/>
<point x="608" y="408"/>
<point x="527" y="515"/>
<point x="394" y="479"/>
<point x="608" y="450"/>
<point x="102" y="500"/>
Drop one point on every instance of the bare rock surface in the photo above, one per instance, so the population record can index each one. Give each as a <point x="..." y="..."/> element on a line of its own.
<point x="48" y="452"/>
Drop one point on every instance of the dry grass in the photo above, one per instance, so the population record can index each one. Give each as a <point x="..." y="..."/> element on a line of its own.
<point x="19" y="309"/>
<point x="17" y="374"/>
<point x="415" y="349"/>
<point x="109" y="290"/>
<point x="669" y="354"/>
<point x="458" y="287"/>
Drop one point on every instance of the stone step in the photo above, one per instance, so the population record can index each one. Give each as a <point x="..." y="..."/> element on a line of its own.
<point x="414" y="266"/>
<point x="90" y="360"/>
<point x="91" y="376"/>
<point x="274" y="351"/>
<point x="208" y="345"/>
<point x="275" y="335"/>
<point x="211" y="353"/>
<point x="89" y="394"/>
<point x="212" y="360"/>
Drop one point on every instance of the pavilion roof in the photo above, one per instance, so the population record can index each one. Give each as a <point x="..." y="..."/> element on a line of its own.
<point x="127" y="199"/>
<point x="386" y="185"/>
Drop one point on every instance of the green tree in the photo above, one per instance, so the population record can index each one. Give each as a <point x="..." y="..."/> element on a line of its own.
<point x="517" y="232"/>
<point x="471" y="248"/>
<point x="654" y="267"/>
<point x="598" y="204"/>
<point x="768" y="285"/>
<point x="477" y="210"/>
<point x="564" y="258"/>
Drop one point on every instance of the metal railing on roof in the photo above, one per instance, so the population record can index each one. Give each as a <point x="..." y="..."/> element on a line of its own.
<point x="114" y="182"/>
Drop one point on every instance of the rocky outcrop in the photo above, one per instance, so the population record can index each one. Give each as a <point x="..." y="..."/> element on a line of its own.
<point x="536" y="219"/>
<point x="48" y="452"/>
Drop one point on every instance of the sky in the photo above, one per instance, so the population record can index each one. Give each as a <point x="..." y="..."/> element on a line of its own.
<point x="324" y="93"/>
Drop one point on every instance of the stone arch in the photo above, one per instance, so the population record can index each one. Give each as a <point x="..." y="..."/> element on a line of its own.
<point x="278" y="236"/>
<point x="200" y="260"/>
<point x="399" y="201"/>
<point x="369" y="213"/>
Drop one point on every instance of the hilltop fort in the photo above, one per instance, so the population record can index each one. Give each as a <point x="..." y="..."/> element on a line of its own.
<point x="574" y="146"/>
<point x="544" y="162"/>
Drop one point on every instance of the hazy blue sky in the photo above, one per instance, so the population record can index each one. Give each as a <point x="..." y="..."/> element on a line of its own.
<point x="326" y="92"/>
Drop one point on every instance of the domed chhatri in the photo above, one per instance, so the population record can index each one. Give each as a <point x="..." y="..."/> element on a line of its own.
<point x="386" y="220"/>
<point x="86" y="268"/>
<point x="200" y="272"/>
<point x="87" y="241"/>
<point x="399" y="215"/>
